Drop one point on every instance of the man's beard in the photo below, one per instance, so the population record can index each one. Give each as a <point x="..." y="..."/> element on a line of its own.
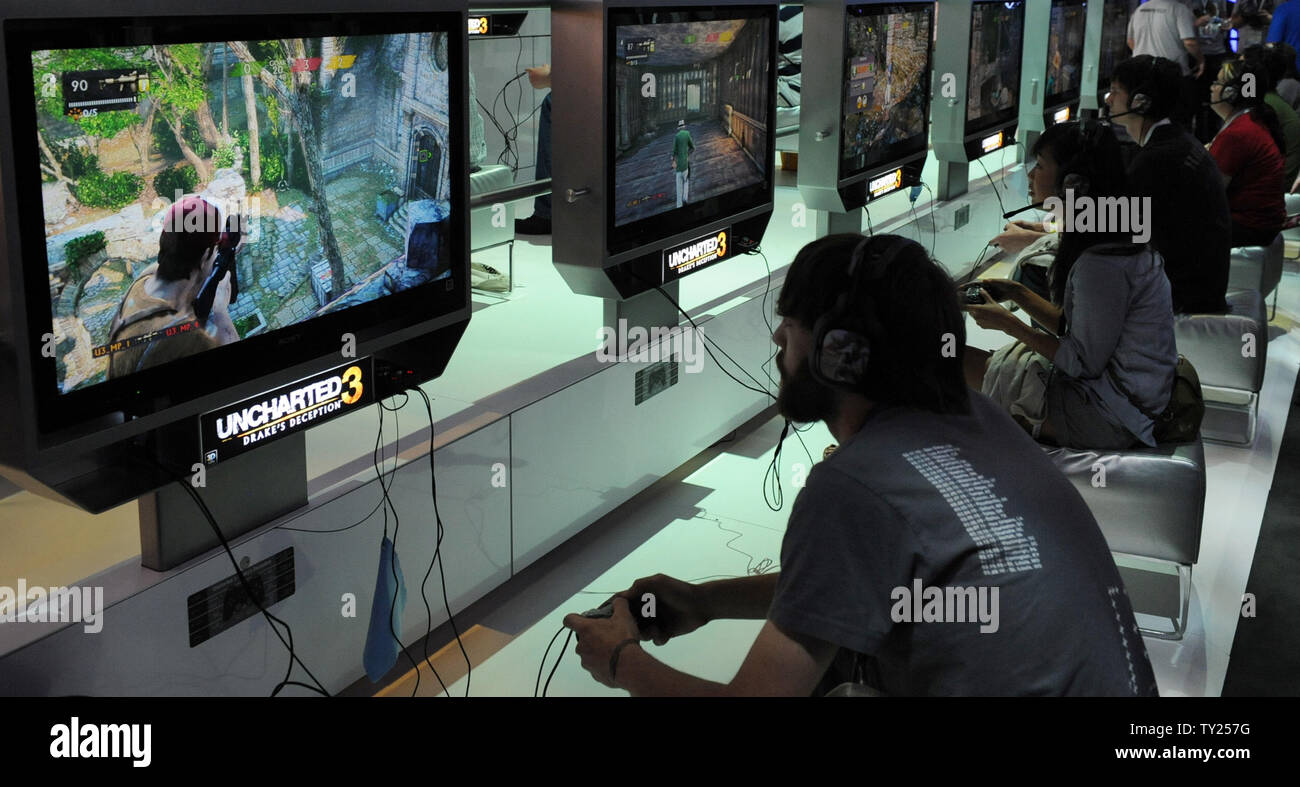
<point x="802" y="398"/>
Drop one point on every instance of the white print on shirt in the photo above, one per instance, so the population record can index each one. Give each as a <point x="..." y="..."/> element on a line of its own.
<point x="1003" y="546"/>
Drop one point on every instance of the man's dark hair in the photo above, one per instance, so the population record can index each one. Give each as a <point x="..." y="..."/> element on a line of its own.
<point x="1090" y="150"/>
<point x="1273" y="58"/>
<point x="918" y="360"/>
<point x="1161" y="80"/>
<point x="192" y="226"/>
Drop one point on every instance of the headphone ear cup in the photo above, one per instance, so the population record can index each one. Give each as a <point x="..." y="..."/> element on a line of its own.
<point x="843" y="357"/>
<point x="1140" y="104"/>
<point x="1077" y="183"/>
<point x="1228" y="93"/>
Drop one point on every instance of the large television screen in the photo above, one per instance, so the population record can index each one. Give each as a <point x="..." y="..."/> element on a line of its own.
<point x="692" y="113"/>
<point x="1114" y="40"/>
<point x="993" y="84"/>
<point x="886" y="95"/>
<point x="1065" y="51"/>
<point x="201" y="190"/>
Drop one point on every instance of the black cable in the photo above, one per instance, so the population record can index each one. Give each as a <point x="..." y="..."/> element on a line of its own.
<point x="871" y="229"/>
<point x="563" y="648"/>
<point x="397" y="524"/>
<point x="1001" y="208"/>
<point x="538" y="685"/>
<point x="708" y="341"/>
<point x="437" y="555"/>
<point x="933" y="229"/>
<point x="181" y="479"/>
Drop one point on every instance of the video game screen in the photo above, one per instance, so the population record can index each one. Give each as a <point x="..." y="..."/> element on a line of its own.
<point x="1114" y="39"/>
<point x="690" y="112"/>
<point x="886" y="83"/>
<point x="198" y="194"/>
<point x="993" y="85"/>
<point x="1065" y="50"/>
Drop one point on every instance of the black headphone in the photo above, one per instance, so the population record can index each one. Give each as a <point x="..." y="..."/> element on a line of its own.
<point x="1230" y="92"/>
<point x="840" y="354"/>
<point x="1140" y="102"/>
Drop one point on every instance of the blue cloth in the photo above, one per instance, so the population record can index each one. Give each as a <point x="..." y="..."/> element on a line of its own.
<point x="542" y="205"/>
<point x="385" y="615"/>
<point x="1119" y="318"/>
<point x="1286" y="27"/>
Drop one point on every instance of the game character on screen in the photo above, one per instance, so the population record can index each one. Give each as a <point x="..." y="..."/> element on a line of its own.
<point x="683" y="146"/>
<point x="163" y="298"/>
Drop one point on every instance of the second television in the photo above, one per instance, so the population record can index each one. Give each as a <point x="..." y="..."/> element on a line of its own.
<point x="997" y="31"/>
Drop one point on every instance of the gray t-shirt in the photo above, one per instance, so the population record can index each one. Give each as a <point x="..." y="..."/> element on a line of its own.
<point x="963" y="505"/>
<point x="1158" y="28"/>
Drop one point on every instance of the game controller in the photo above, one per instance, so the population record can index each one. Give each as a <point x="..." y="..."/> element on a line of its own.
<point x="974" y="293"/>
<point x="606" y="610"/>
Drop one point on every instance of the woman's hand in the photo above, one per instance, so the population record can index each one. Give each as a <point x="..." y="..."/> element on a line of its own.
<point x="1017" y="235"/>
<point x="992" y="316"/>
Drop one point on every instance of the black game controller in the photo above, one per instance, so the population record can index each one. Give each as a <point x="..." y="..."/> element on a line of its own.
<point x="606" y="610"/>
<point x="974" y="293"/>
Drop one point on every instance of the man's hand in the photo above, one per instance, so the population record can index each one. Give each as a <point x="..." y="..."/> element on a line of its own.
<point x="679" y="607"/>
<point x="1016" y="236"/>
<point x="992" y="316"/>
<point x="1199" y="69"/>
<point x="597" y="638"/>
<point x="540" y="76"/>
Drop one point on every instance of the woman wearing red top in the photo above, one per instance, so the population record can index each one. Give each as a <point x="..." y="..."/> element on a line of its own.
<point x="1247" y="150"/>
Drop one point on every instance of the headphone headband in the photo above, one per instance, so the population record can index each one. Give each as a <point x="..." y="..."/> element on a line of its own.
<point x="840" y="355"/>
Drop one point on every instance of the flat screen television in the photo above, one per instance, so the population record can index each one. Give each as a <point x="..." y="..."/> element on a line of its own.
<point x="1064" y="54"/>
<point x="886" y="93"/>
<point x="199" y="207"/>
<point x="696" y="145"/>
<point x="993" y="78"/>
<point x="679" y="176"/>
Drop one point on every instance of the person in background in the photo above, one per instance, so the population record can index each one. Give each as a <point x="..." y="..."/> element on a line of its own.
<point x="1167" y="29"/>
<point x="540" y="222"/>
<point x="1106" y="356"/>
<point x="1190" y="222"/>
<point x="1252" y="20"/>
<point x="1212" y="32"/>
<point x="1285" y="27"/>
<point x="1288" y="87"/>
<point x="1275" y="61"/>
<point x="1248" y="152"/>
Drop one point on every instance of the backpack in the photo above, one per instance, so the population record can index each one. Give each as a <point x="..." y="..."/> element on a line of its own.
<point x="1181" y="420"/>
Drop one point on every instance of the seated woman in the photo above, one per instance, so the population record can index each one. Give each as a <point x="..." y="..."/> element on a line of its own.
<point x="1110" y="354"/>
<point x="1248" y="152"/>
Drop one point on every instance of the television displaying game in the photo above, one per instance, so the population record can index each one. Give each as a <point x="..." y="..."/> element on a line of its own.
<point x="886" y="94"/>
<point x="691" y="114"/>
<point x="199" y="193"/>
<point x="1114" y="40"/>
<point x="1065" y="52"/>
<point x="993" y="84"/>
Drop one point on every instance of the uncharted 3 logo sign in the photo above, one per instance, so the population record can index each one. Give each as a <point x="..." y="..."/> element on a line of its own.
<point x="696" y="253"/>
<point x="230" y="431"/>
